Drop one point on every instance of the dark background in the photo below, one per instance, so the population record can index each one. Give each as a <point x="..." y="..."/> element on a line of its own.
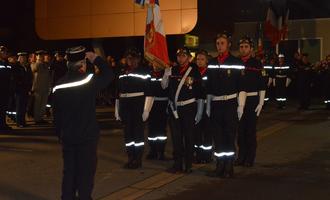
<point x="18" y="33"/>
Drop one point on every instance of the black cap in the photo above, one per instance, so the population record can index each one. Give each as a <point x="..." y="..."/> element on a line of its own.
<point x="225" y="35"/>
<point x="22" y="54"/>
<point x="134" y="52"/>
<point x="75" y="54"/>
<point x="202" y="52"/>
<point x="3" y="48"/>
<point x="41" y="52"/>
<point x="183" y="50"/>
<point x="246" y="39"/>
<point x="60" y="53"/>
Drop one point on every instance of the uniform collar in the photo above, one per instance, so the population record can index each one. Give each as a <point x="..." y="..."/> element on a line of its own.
<point x="245" y="58"/>
<point x="223" y="57"/>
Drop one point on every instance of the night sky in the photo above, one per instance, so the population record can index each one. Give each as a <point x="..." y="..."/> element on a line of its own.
<point x="17" y="22"/>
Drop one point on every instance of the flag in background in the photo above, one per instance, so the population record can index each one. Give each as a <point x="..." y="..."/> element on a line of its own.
<point x="285" y="28"/>
<point x="272" y="27"/>
<point x="155" y="46"/>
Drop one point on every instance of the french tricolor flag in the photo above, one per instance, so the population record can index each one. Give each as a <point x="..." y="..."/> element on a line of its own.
<point x="155" y="46"/>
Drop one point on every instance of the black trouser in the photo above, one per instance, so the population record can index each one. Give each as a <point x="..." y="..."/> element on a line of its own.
<point x="182" y="135"/>
<point x="3" y="109"/>
<point x="247" y="132"/>
<point x="21" y="106"/>
<point x="157" y="127"/>
<point x="281" y="91"/>
<point x="203" y="138"/>
<point x="224" y="121"/>
<point x="131" y="110"/>
<point x="79" y="169"/>
<point x="304" y="93"/>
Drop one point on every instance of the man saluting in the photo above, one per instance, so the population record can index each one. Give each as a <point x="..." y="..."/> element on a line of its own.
<point x="75" y="120"/>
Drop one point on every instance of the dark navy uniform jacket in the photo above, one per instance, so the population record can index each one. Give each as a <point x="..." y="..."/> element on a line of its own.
<point x="252" y="78"/>
<point x="224" y="78"/>
<point x="135" y="81"/>
<point x="192" y="88"/>
<point x="74" y="104"/>
<point x="156" y="88"/>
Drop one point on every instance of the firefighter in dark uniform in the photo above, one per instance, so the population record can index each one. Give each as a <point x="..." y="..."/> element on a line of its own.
<point x="304" y="76"/>
<point x="203" y="135"/>
<point x="253" y="81"/>
<point x="225" y="103"/>
<point x="5" y="74"/>
<point x="281" y="81"/>
<point x="186" y="108"/>
<point x="11" y="110"/>
<point x="75" y="120"/>
<point x="267" y="76"/>
<point x="133" y="105"/>
<point x="23" y="79"/>
<point x="326" y="66"/>
<point x="158" y="117"/>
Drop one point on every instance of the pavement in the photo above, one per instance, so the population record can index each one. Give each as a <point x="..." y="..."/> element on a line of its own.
<point x="293" y="162"/>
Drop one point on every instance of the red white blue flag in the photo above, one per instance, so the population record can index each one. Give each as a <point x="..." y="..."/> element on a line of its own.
<point x="155" y="46"/>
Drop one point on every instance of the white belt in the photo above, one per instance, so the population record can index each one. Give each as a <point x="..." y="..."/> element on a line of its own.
<point x="161" y="99"/>
<point x="224" y="97"/>
<point x="250" y="94"/>
<point x="186" y="102"/>
<point x="281" y="76"/>
<point x="134" y="94"/>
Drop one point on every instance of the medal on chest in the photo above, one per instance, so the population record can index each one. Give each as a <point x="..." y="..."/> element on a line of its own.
<point x="189" y="82"/>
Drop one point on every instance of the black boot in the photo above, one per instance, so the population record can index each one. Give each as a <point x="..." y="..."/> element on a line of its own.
<point x="229" y="168"/>
<point x="219" y="170"/>
<point x="152" y="155"/>
<point x="207" y="156"/>
<point x="137" y="162"/>
<point x="161" y="151"/>
<point x="130" y="155"/>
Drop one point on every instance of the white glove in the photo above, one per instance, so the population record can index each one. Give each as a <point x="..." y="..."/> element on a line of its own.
<point x="147" y="108"/>
<point x="165" y="79"/>
<point x="270" y="80"/>
<point x="240" y="110"/>
<point x="288" y="81"/>
<point x="262" y="95"/>
<point x="208" y="105"/>
<point x="117" y="117"/>
<point x="200" y="108"/>
<point x="241" y="103"/>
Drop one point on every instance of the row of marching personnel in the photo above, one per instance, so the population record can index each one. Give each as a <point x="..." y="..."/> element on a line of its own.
<point x="26" y="82"/>
<point x="207" y="105"/>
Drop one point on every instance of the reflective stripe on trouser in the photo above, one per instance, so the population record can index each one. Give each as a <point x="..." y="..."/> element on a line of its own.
<point x="247" y="132"/>
<point x="130" y="111"/>
<point x="203" y="135"/>
<point x="182" y="135"/>
<point x="224" y="122"/>
<point x="157" y="122"/>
